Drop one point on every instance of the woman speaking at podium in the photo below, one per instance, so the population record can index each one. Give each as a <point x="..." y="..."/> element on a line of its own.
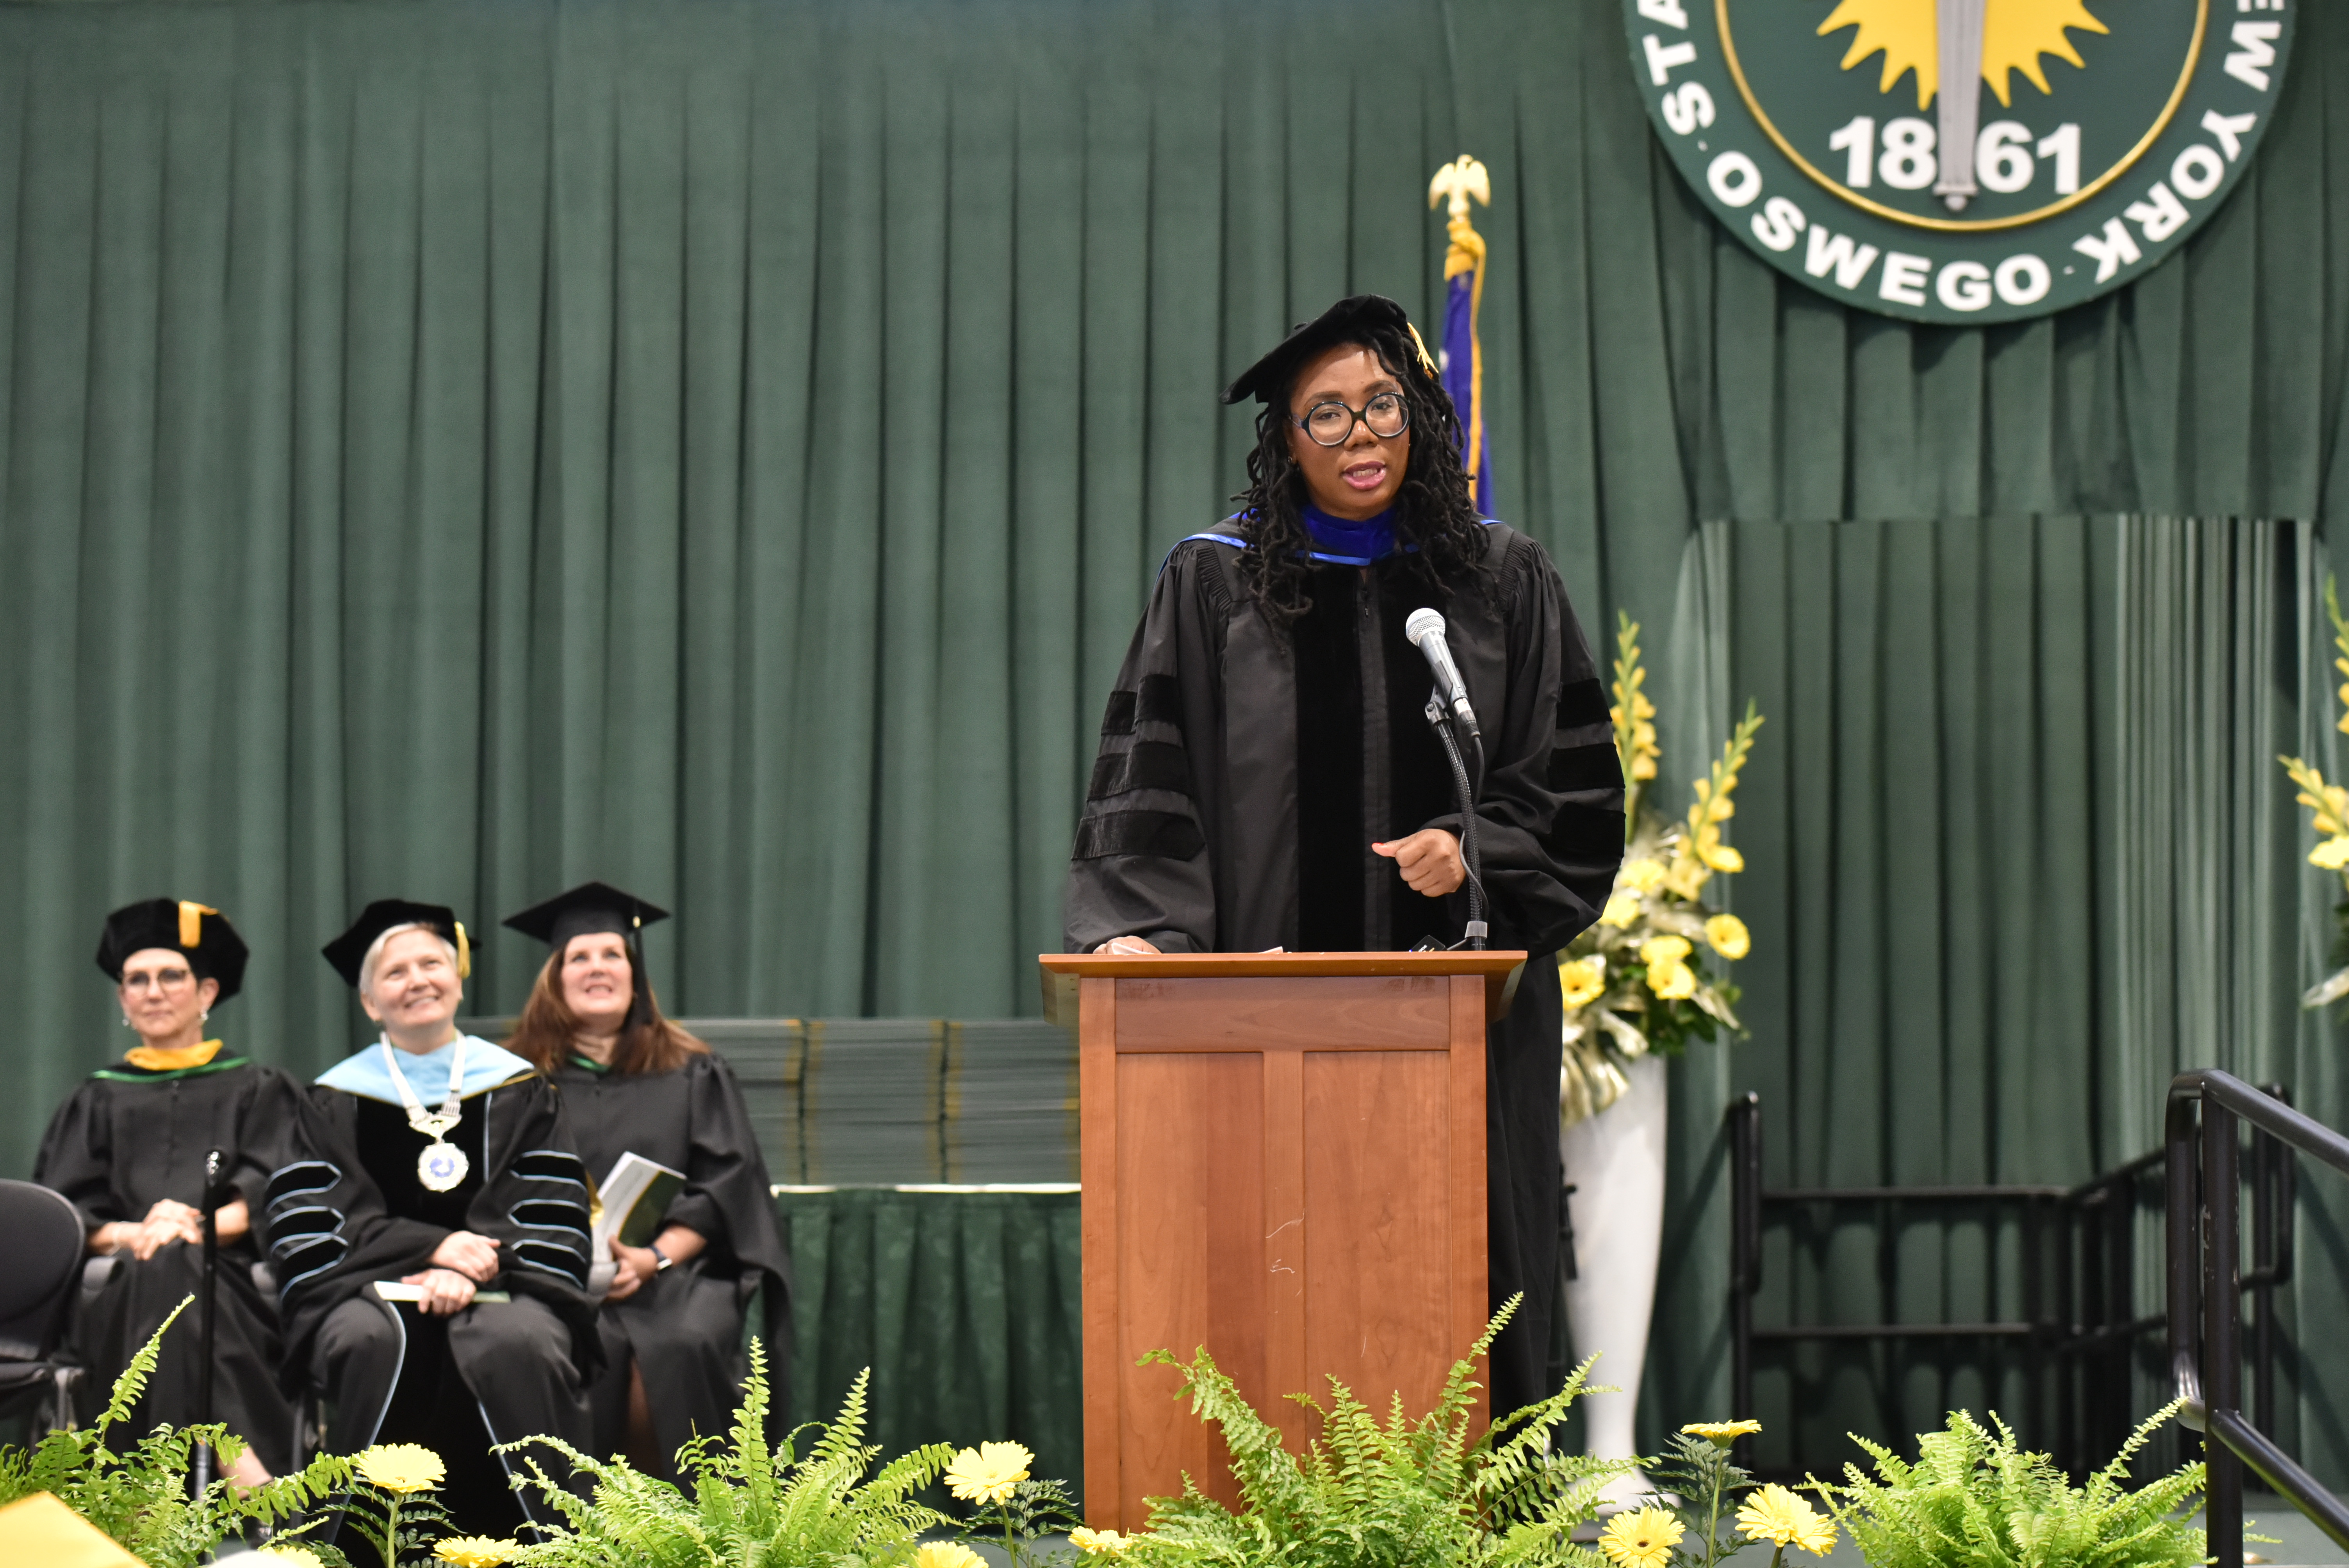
<point x="1266" y="778"/>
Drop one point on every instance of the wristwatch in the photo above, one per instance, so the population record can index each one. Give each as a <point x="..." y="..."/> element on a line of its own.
<point x="665" y="1260"/>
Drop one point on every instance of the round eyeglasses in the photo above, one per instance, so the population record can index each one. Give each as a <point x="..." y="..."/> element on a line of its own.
<point x="1332" y="424"/>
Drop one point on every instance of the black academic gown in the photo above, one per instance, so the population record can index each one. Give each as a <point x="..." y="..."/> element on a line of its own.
<point x="1246" y="767"/>
<point x="349" y="1211"/>
<point x="684" y="1325"/>
<point x="123" y="1141"/>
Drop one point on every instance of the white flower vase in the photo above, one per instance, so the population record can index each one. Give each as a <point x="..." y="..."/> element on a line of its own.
<point x="1615" y="1163"/>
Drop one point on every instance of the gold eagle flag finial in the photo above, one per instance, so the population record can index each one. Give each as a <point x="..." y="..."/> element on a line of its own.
<point x="1459" y="180"/>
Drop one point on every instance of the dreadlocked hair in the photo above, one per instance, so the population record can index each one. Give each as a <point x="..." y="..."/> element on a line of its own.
<point x="1434" y="510"/>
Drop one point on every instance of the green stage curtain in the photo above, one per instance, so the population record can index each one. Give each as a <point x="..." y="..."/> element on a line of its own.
<point x="966" y="1305"/>
<point x="2019" y="850"/>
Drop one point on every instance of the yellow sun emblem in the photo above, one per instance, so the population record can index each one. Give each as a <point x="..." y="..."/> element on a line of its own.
<point x="2014" y="33"/>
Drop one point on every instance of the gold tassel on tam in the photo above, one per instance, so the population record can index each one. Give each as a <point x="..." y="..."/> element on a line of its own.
<point x="191" y="921"/>
<point x="464" y="953"/>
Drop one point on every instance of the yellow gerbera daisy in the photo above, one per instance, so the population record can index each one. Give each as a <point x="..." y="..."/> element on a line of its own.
<point x="1642" y="875"/>
<point x="1621" y="910"/>
<point x="1729" y="936"/>
<point x="1777" y="1515"/>
<point x="401" y="1467"/>
<point x="1722" y="1432"/>
<point x="1099" y="1540"/>
<point x="988" y="1472"/>
<point x="1642" y="1538"/>
<point x="1665" y="950"/>
<point x="476" y="1551"/>
<point x="947" y="1554"/>
<point x="1675" y="982"/>
<point x="1584" y="980"/>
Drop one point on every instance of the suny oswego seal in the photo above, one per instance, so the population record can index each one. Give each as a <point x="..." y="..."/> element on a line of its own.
<point x="1960" y="162"/>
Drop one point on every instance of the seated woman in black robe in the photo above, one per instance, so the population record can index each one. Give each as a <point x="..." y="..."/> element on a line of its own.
<point x="1266" y="778"/>
<point x="129" y="1146"/>
<point x="633" y="1082"/>
<point x="431" y="1237"/>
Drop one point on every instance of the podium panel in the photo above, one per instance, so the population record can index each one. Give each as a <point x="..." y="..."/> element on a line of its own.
<point x="1283" y="1159"/>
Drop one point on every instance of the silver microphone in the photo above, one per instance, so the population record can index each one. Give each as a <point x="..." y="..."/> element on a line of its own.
<point x="1424" y="627"/>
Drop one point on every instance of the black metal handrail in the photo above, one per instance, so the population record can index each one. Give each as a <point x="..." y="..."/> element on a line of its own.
<point x="2206" y="1293"/>
<point x="2078" y="1325"/>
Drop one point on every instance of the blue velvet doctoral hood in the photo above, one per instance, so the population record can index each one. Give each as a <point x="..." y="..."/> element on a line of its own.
<point x="487" y="1067"/>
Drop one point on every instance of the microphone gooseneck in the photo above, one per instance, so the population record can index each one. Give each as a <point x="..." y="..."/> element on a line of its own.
<point x="1424" y="628"/>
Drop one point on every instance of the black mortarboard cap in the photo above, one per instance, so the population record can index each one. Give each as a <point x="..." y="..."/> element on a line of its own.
<point x="1345" y="322"/>
<point x="214" y="949"/>
<point x="590" y="906"/>
<point x="347" y="951"/>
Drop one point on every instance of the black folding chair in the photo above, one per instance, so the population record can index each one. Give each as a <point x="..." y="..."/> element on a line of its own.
<point x="45" y="1240"/>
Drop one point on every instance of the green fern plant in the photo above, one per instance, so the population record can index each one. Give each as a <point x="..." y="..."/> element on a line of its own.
<point x="751" y="1505"/>
<point x="1398" y="1494"/>
<point x="138" y="1496"/>
<point x="1974" y="1499"/>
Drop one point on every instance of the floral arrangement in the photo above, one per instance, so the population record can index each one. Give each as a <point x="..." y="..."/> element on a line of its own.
<point x="1403" y="1492"/>
<point x="1634" y="983"/>
<point x="138" y="1496"/>
<point x="1975" y="1497"/>
<point x="995" y="1477"/>
<point x="2328" y="809"/>
<point x="1661" y="1535"/>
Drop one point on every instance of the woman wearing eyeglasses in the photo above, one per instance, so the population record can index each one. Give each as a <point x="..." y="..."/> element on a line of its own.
<point x="1267" y="776"/>
<point x="129" y="1149"/>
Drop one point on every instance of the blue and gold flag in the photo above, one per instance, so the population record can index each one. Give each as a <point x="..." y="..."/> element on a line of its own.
<point x="1461" y="357"/>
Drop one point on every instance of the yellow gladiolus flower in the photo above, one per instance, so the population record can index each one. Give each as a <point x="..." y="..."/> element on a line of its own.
<point x="988" y="1472"/>
<point x="401" y="1467"/>
<point x="476" y="1551"/>
<point x="1777" y="1515"/>
<point x="1621" y="910"/>
<point x="1722" y="1432"/>
<point x="947" y="1554"/>
<point x="2333" y="854"/>
<point x="1642" y="875"/>
<point x="1104" y="1541"/>
<point x="1584" y="980"/>
<point x="1643" y="1538"/>
<point x="1663" y="950"/>
<point x="1721" y="857"/>
<point x="1677" y="982"/>
<point x="1729" y="936"/>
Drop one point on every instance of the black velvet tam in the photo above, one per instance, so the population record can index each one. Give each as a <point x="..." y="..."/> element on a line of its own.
<point x="590" y="907"/>
<point x="216" y="952"/>
<point x="346" y="952"/>
<point x="1345" y="322"/>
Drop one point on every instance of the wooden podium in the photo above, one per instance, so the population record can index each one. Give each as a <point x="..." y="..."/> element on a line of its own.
<point x="1283" y="1161"/>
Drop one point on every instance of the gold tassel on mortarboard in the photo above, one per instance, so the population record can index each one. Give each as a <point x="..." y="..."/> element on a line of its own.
<point x="191" y="921"/>
<point x="464" y="953"/>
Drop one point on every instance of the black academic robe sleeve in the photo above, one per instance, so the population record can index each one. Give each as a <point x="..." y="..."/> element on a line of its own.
<point x="1141" y="865"/>
<point x="332" y="1232"/>
<point x="1549" y="810"/>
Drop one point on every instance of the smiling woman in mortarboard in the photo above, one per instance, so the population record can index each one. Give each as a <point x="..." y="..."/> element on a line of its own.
<point x="437" y="1165"/>
<point x="635" y="1083"/>
<point x="1266" y="777"/>
<point x="129" y="1149"/>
